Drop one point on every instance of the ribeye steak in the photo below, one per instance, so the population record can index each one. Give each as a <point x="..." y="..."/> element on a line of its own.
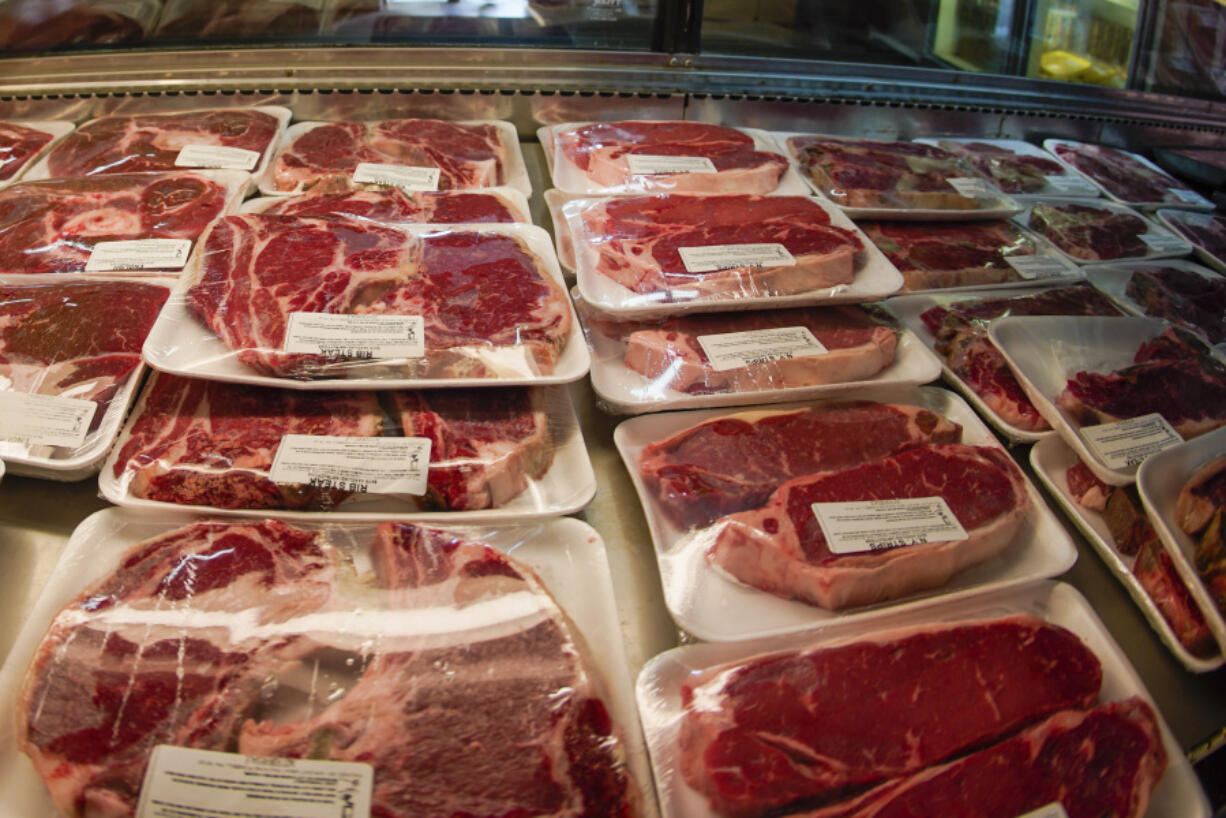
<point x="1091" y="232"/>
<point x="1120" y="174"/>
<point x="934" y="255"/>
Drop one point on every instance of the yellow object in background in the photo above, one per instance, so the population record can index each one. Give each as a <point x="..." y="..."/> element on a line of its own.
<point x="1062" y="65"/>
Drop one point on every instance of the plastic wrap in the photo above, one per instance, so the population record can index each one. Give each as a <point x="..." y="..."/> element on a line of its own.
<point x="482" y="454"/>
<point x="648" y="256"/>
<point x="1052" y="459"/>
<point x="379" y="644"/>
<point x="663" y="707"/>
<point x="388" y="204"/>
<point x="895" y="180"/>
<point x="38" y="25"/>
<point x="1180" y="292"/>
<point x="756" y="448"/>
<point x="405" y="306"/>
<point x="955" y="328"/>
<point x="374" y="20"/>
<point x="1091" y="232"/>
<point x="1021" y="170"/>
<point x="641" y="156"/>
<point x="52" y="226"/>
<point x="1126" y="177"/>
<point x="327" y="156"/>
<point x="941" y="256"/>
<point x="1206" y="232"/>
<point x="239" y="19"/>
<point x="763" y="355"/>
<point x="72" y="341"/>
<point x="21" y="143"/>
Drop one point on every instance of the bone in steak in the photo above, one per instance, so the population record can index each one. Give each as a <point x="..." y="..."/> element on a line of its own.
<point x="1012" y="172"/>
<point x="1183" y="297"/>
<point x="151" y="142"/>
<point x="780" y="548"/>
<point x="485" y="444"/>
<point x="52" y="226"/>
<point x="1205" y="230"/>
<point x="239" y="19"/>
<point x="1120" y="174"/>
<point x="486" y="299"/>
<point x="773" y="733"/>
<point x="1101" y="762"/>
<point x="391" y="204"/>
<point x="935" y="255"/>
<point x="1091" y="232"/>
<point x="1173" y="375"/>
<point x="207" y="443"/>
<point x="325" y="157"/>
<point x="636" y="241"/>
<point x="600" y="150"/>
<point x="736" y="462"/>
<point x="17" y="145"/>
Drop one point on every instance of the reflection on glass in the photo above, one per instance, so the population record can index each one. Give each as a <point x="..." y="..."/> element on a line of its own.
<point x="1082" y="40"/>
<point x="974" y="35"/>
<point x="1189" y="49"/>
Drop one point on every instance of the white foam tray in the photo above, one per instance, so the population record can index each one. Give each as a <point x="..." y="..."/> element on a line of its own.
<point x="568" y="555"/>
<point x="1051" y="459"/>
<point x="515" y="201"/>
<point x="181" y="345"/>
<point x="1178" y="794"/>
<point x="712" y="607"/>
<point x="1112" y="280"/>
<point x="1201" y="203"/>
<point x="58" y="131"/>
<point x="1023" y="220"/>
<point x="516" y="171"/>
<point x="1167" y="217"/>
<point x="1079" y="186"/>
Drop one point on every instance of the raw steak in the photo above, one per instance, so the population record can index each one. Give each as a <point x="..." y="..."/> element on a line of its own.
<point x="736" y="462"/>
<point x="1202" y="495"/>
<point x="486" y="299"/>
<point x="485" y="444"/>
<point x="1205" y="230"/>
<point x="38" y="25"/>
<point x="1120" y="174"/>
<point x="935" y="255"/>
<point x="781" y="549"/>
<point x="1102" y="762"/>
<point x="1012" y="172"/>
<point x="775" y="732"/>
<point x="1183" y="297"/>
<point x="76" y="338"/>
<point x="52" y="226"/>
<point x="636" y="241"/>
<point x="324" y="158"/>
<point x="149" y="142"/>
<point x="208" y="443"/>
<point x="882" y="174"/>
<point x="600" y="150"/>
<point x="1086" y="489"/>
<point x="1091" y="232"/>
<point x="1173" y="376"/>
<point x="239" y="19"/>
<point x="669" y="353"/>
<point x="17" y="145"/>
<point x="394" y="205"/>
<point x="1163" y="584"/>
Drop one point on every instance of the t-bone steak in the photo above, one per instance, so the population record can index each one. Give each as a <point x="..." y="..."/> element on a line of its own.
<point x="18" y="144"/>
<point x="207" y="443"/>
<point x="734" y="463"/>
<point x="600" y="151"/>
<point x="52" y="226"/>
<point x="394" y="205"/>
<point x="936" y="255"/>
<point x="1122" y="175"/>
<point x="325" y="157"/>
<point x="775" y="732"/>
<point x="1184" y="297"/>
<point x="485" y="444"/>
<point x="780" y="548"/>
<point x="488" y="303"/>
<point x="148" y="142"/>
<point x="1091" y="232"/>
<point x="637" y="241"/>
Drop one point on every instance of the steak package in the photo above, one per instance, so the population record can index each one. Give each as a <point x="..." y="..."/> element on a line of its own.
<point x="1177" y="291"/>
<point x="21" y="143"/>
<point x="975" y="707"/>
<point x="640" y="156"/>
<point x="40" y="25"/>
<point x="1089" y="232"/>
<point x="499" y="205"/>
<point x="397" y="646"/>
<point x="744" y="552"/>
<point x="1206" y="232"/>
<point x="467" y="453"/>
<point x="1126" y="177"/>
<point x="323" y="302"/>
<point x="239" y="19"/>
<point x="69" y="367"/>
<point x="1018" y="168"/>
<point x="418" y="154"/>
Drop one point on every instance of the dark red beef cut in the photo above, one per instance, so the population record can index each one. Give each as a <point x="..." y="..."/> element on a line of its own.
<point x="324" y="158"/>
<point x="151" y="142"/>
<point x="780" y="733"/>
<point x="1182" y="297"/>
<point x="208" y="443"/>
<point x="37" y="25"/>
<point x="736" y="462"/>
<point x="17" y="145"/>
<point x="933" y="255"/>
<point x="1164" y="585"/>
<point x="241" y="19"/>
<point x="1120" y="174"/>
<point x="477" y="292"/>
<point x="52" y="226"/>
<point x="1091" y="232"/>
<point x="1012" y="172"/>
<point x="1205" y="230"/>
<point x="395" y="205"/>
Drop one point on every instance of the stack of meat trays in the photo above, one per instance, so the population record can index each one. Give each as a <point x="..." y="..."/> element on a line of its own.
<point x="704" y="276"/>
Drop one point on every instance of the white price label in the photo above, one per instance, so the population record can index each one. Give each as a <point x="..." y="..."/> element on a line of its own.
<point x="877" y="525"/>
<point x="45" y="420"/>
<point x="404" y="177"/>
<point x="642" y="164"/>
<point x="969" y="186"/>
<point x="726" y="256"/>
<point x="1053" y="810"/>
<point x="139" y="254"/>
<point x="1067" y="183"/>
<point x="184" y="783"/>
<point x="368" y="465"/>
<point x="216" y="156"/>
<point x="1164" y="242"/>
<point x="367" y="337"/>
<point x="1189" y="196"/>
<point x="1124" y="444"/>
<point x="1036" y="266"/>
<point x="733" y="350"/>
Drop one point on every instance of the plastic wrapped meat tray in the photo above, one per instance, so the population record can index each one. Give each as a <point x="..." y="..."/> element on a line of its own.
<point x="21" y="143"/>
<point x="1021" y="170"/>
<point x="494" y="453"/>
<point x="495" y="205"/>
<point x="1092" y="232"/>
<point x="407" y="306"/>
<point x="491" y="624"/>
<point x="1177" y="291"/>
<point x="1206" y="232"/>
<point x="1126" y="177"/>
<point x="38" y="25"/>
